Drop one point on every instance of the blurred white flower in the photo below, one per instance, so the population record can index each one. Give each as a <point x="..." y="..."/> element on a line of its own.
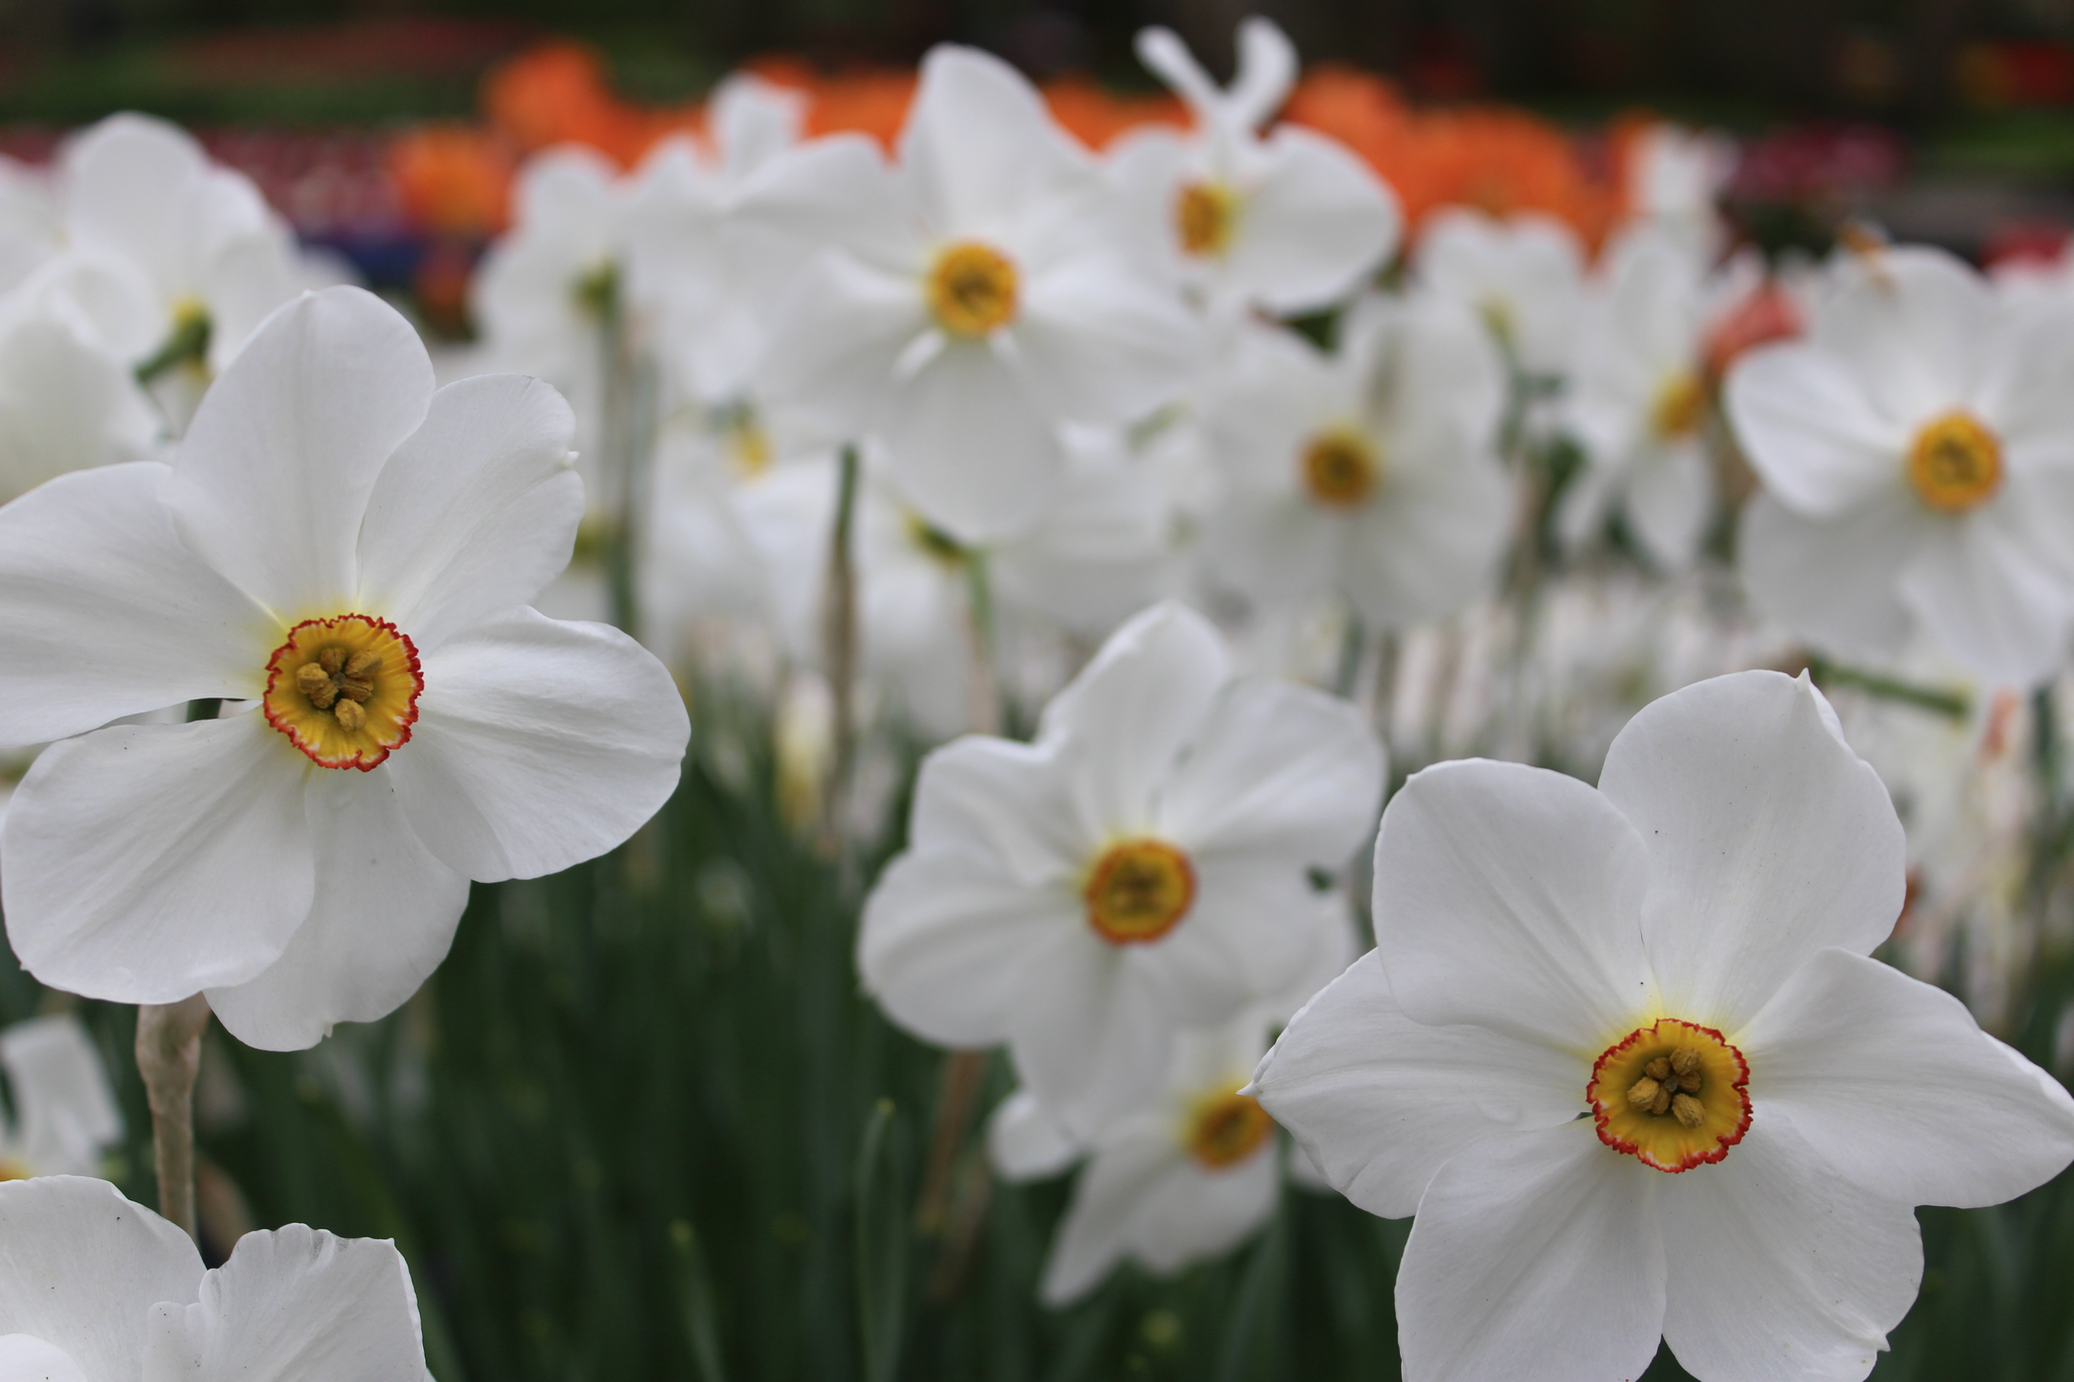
<point x="31" y="230"/>
<point x="1673" y="178"/>
<point x="1917" y="451"/>
<point x="348" y="554"/>
<point x="1372" y="471"/>
<point x="1682" y="953"/>
<point x="64" y="1109"/>
<point x="1143" y="866"/>
<point x="1524" y="275"/>
<point x="1287" y="222"/>
<point x="93" y="1287"/>
<point x="975" y="299"/>
<point x="1638" y="396"/>
<point x="67" y="402"/>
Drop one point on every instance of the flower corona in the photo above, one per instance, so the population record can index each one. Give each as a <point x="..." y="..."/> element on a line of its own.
<point x="1672" y="1094"/>
<point x="344" y="690"/>
<point x="972" y="289"/>
<point x="1955" y="463"/>
<point x="1138" y="891"/>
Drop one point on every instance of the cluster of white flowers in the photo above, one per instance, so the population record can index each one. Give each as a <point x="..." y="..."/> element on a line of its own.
<point x="983" y="421"/>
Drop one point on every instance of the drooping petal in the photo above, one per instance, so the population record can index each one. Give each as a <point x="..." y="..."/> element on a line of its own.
<point x="1313" y="228"/>
<point x="80" y="1267"/>
<point x="1768" y="840"/>
<point x="1380" y="1102"/>
<point x="477" y="510"/>
<point x="539" y="744"/>
<point x="1536" y="1255"/>
<point x="1092" y="1039"/>
<point x="295" y="1304"/>
<point x="950" y="944"/>
<point x="1004" y="799"/>
<point x="1895" y="1086"/>
<point x="64" y="1108"/>
<point x="1780" y="1267"/>
<point x="383" y="918"/>
<point x="272" y="480"/>
<point x="1838" y="583"/>
<point x="1095" y="1233"/>
<point x="1809" y="429"/>
<point x="1026" y="1142"/>
<point x="969" y="446"/>
<point x="1277" y="768"/>
<point x="1511" y="897"/>
<point x="104" y="612"/>
<point x="144" y="863"/>
<point x="1122" y="722"/>
<point x="1993" y="606"/>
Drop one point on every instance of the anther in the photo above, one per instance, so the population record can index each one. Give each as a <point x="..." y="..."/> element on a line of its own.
<point x="1688" y="1110"/>
<point x="1684" y="1061"/>
<point x="350" y="716"/>
<point x="363" y="662"/>
<point x="1643" y="1092"/>
<point x="332" y="660"/>
<point x="1658" y="1069"/>
<point x="355" y="688"/>
<point x="311" y="681"/>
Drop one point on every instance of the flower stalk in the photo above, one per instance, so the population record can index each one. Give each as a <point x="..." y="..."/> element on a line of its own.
<point x="839" y="649"/>
<point x="169" y="1055"/>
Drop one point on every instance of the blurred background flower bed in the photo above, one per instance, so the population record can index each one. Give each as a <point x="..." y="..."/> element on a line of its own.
<point x="642" y="1122"/>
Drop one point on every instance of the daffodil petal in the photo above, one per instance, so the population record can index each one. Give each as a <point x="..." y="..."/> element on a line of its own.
<point x="295" y="1304"/>
<point x="1096" y="343"/>
<point x="65" y="1111"/>
<point x="383" y="919"/>
<point x="1095" y="1233"/>
<point x="1893" y="1084"/>
<point x="1810" y="431"/>
<point x="476" y="510"/>
<point x="1249" y="933"/>
<point x="1534" y="1255"/>
<point x="33" y="1360"/>
<point x="1905" y="322"/>
<point x="271" y="482"/>
<point x="1313" y="227"/>
<point x="1511" y="897"/>
<point x="979" y="146"/>
<point x="1003" y="799"/>
<point x="965" y="401"/>
<point x="1779" y="1266"/>
<point x="144" y="863"/>
<point x="539" y="744"/>
<point x="1091" y="1037"/>
<point x="952" y="946"/>
<point x="1999" y="610"/>
<point x="1026" y="1143"/>
<point x="104" y="612"/>
<point x="1380" y="1102"/>
<point x="1430" y="542"/>
<point x="1191" y="1214"/>
<point x="1768" y="840"/>
<point x="1835" y="582"/>
<point x="111" y="1261"/>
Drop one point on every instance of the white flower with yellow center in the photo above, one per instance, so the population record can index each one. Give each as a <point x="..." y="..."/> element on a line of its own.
<point x="64" y="1109"/>
<point x="1286" y="222"/>
<point x="1143" y="866"/>
<point x="975" y="298"/>
<point x="94" y="1288"/>
<point x="1625" y="1056"/>
<point x="1372" y="471"/>
<point x="1523" y="274"/>
<point x="344" y="557"/>
<point x="1917" y="452"/>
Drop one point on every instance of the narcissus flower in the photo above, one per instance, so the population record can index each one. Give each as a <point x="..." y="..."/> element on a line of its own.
<point x="1624" y="1054"/>
<point x="974" y="299"/>
<point x="344" y="557"/>
<point x="64" y="1110"/>
<point x="94" y="1288"/>
<point x="1523" y="274"/>
<point x="1290" y="221"/>
<point x="1917" y="452"/>
<point x="1372" y="472"/>
<point x="1143" y="866"/>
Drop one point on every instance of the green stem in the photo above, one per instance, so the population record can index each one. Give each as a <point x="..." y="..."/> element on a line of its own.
<point x="839" y="649"/>
<point x="188" y="343"/>
<point x="1826" y="674"/>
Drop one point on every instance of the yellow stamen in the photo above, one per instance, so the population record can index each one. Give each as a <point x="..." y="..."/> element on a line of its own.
<point x="972" y="289"/>
<point x="1341" y="468"/>
<point x="1226" y="1129"/>
<point x="344" y="690"/>
<point x="1672" y="1094"/>
<point x="1955" y="463"/>
<point x="1206" y="213"/>
<point x="1138" y="891"/>
<point x="1680" y="403"/>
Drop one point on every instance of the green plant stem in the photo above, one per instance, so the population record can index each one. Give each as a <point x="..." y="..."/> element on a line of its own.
<point x="1826" y="674"/>
<point x="839" y="651"/>
<point x="169" y="1055"/>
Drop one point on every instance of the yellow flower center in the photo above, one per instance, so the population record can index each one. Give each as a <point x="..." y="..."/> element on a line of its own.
<point x="972" y="289"/>
<point x="1955" y="463"/>
<point x="1205" y="213"/>
<point x="1226" y="1129"/>
<point x="1673" y="1093"/>
<point x="1138" y="891"/>
<point x="10" y="1169"/>
<point x="1341" y="468"/>
<point x="1680" y="402"/>
<point x="747" y="445"/>
<point x="344" y="690"/>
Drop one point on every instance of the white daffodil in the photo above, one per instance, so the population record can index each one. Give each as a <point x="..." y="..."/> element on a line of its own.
<point x="1682" y="955"/>
<point x="1638" y="396"/>
<point x="1673" y="180"/>
<point x="67" y="401"/>
<point x="1143" y="866"/>
<point x="1373" y="471"/>
<point x="1287" y="222"/>
<point x="347" y="555"/>
<point x="94" y="1288"/>
<point x="976" y="298"/>
<point x="64" y="1110"/>
<point x="1917" y="452"/>
<point x="203" y="257"/>
<point x="1524" y="275"/>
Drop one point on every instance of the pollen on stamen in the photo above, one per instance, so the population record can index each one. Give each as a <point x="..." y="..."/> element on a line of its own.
<point x="344" y="690"/>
